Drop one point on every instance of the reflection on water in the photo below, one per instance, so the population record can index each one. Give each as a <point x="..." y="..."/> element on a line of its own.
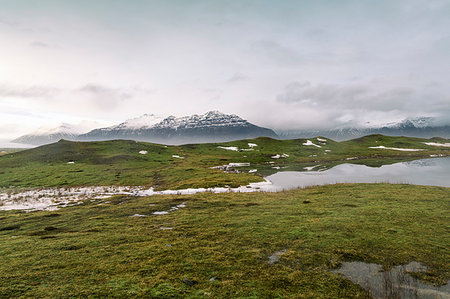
<point x="396" y="283"/>
<point x="434" y="172"/>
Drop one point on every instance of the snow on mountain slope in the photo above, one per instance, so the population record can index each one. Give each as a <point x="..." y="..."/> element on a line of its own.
<point x="212" y="126"/>
<point x="144" y="121"/>
<point x="45" y="135"/>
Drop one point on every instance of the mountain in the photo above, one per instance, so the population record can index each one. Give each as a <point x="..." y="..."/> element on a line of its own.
<point x="45" y="135"/>
<point x="424" y="127"/>
<point x="212" y="126"/>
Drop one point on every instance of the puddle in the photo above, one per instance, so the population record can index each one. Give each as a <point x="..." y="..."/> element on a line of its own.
<point x="396" y="283"/>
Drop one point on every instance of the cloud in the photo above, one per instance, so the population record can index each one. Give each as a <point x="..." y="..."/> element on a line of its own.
<point x="40" y="44"/>
<point x="104" y="97"/>
<point x="13" y="91"/>
<point x="237" y="77"/>
<point x="276" y="52"/>
<point x="362" y="103"/>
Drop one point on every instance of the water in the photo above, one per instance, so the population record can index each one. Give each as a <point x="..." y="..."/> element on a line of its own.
<point x="433" y="172"/>
<point x="395" y="283"/>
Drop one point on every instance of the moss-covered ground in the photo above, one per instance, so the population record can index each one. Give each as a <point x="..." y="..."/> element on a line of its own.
<point x="220" y="244"/>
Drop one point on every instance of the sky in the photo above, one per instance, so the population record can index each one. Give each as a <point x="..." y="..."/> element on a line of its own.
<point x="279" y="64"/>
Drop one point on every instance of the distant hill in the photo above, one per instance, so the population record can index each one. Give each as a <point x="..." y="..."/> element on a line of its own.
<point x="49" y="135"/>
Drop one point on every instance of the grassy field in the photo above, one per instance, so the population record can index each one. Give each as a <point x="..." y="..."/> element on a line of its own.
<point x="96" y="249"/>
<point x="120" y="163"/>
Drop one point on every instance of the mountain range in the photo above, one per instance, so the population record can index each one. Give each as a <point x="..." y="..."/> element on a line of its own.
<point x="215" y="126"/>
<point x="424" y="127"/>
<point x="212" y="126"/>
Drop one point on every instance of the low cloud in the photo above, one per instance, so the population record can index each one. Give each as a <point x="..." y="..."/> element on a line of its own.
<point x="360" y="104"/>
<point x="12" y="91"/>
<point x="103" y="96"/>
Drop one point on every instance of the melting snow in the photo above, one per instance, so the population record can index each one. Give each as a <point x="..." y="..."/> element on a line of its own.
<point x="309" y="142"/>
<point x="397" y="149"/>
<point x="252" y="170"/>
<point x="138" y="215"/>
<point x="277" y="156"/>
<point x="70" y="162"/>
<point x="252" y="145"/>
<point x="229" y="148"/>
<point x="176" y="156"/>
<point x="143" y="152"/>
<point x="437" y="144"/>
<point x="321" y="140"/>
<point x="309" y="168"/>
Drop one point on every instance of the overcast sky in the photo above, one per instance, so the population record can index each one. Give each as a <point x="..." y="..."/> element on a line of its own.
<point x="281" y="64"/>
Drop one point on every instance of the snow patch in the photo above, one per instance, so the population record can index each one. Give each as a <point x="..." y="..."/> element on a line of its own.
<point x="252" y="145"/>
<point x="397" y="149"/>
<point x="176" y="156"/>
<point x="143" y="152"/>
<point x="138" y="215"/>
<point x="321" y="139"/>
<point x="437" y="144"/>
<point x="252" y="170"/>
<point x="277" y="156"/>
<point x="229" y="148"/>
<point x="309" y="168"/>
<point x="309" y="142"/>
<point x="70" y="162"/>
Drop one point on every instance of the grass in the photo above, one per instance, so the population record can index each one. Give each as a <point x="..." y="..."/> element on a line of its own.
<point x="119" y="162"/>
<point x="96" y="249"/>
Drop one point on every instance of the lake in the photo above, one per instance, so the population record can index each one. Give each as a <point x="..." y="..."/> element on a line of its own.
<point x="433" y="172"/>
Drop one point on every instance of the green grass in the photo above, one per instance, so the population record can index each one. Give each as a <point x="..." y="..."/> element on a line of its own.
<point x="99" y="251"/>
<point x="119" y="162"/>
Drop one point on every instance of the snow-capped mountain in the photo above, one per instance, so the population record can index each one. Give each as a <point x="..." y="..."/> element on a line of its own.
<point x="45" y="135"/>
<point x="212" y="126"/>
<point x="425" y="127"/>
<point x="144" y="121"/>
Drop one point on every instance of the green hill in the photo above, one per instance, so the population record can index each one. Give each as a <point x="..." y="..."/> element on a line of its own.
<point x="119" y="162"/>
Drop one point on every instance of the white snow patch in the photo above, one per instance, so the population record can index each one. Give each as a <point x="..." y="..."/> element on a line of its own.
<point x="176" y="156"/>
<point x="309" y="168"/>
<point x="138" y="215"/>
<point x="70" y="162"/>
<point x="143" y="152"/>
<point x="309" y="142"/>
<point x="437" y="144"/>
<point x="321" y="140"/>
<point x="252" y="170"/>
<point x="328" y="151"/>
<point x="252" y="145"/>
<point x="229" y="148"/>
<point x="276" y="167"/>
<point x="160" y="213"/>
<point x="284" y="156"/>
<point x="277" y="156"/>
<point x="397" y="149"/>
<point x="54" y="198"/>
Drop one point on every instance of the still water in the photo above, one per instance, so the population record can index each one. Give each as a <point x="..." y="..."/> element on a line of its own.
<point x="433" y="172"/>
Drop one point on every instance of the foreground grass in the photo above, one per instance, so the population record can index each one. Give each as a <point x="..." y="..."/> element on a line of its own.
<point x="119" y="162"/>
<point x="98" y="250"/>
